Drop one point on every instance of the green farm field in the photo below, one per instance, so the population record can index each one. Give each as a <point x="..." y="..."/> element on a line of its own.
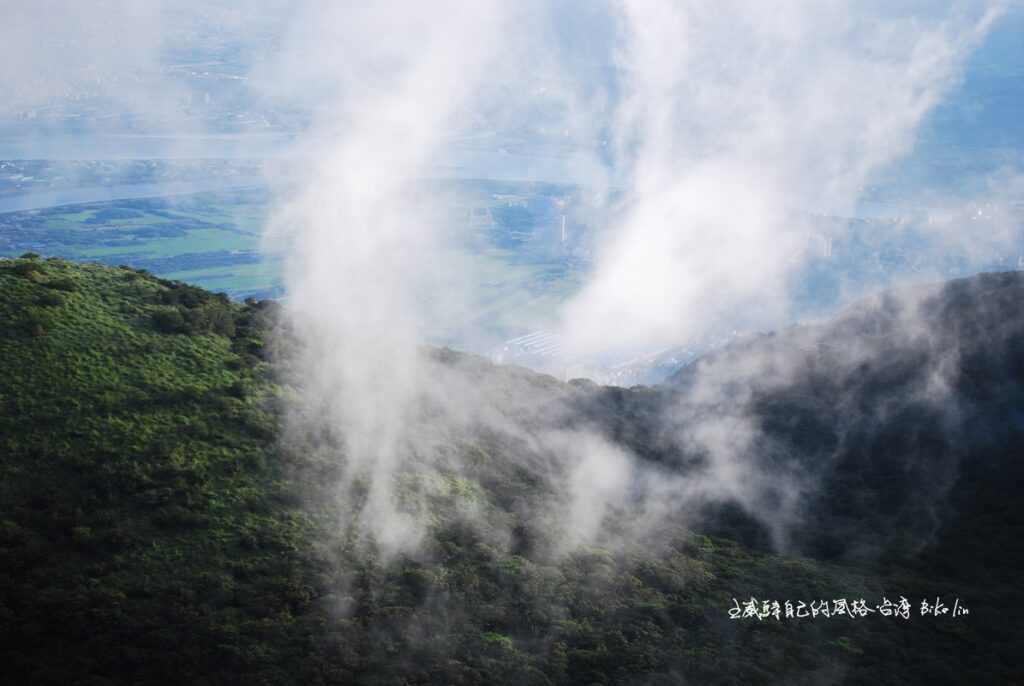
<point x="213" y="239"/>
<point x="207" y="238"/>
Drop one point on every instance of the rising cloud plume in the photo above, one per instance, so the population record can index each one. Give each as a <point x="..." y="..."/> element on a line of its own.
<point x="706" y="143"/>
<point x="723" y="130"/>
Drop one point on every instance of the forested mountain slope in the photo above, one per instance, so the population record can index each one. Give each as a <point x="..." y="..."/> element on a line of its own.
<point x="159" y="524"/>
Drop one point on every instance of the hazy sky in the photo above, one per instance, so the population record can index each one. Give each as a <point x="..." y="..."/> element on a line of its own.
<point x="80" y="77"/>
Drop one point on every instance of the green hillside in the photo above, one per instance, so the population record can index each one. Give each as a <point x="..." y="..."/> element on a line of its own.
<point x="155" y="527"/>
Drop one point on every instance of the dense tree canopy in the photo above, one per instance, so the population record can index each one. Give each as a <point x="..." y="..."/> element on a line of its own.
<point x="154" y="527"/>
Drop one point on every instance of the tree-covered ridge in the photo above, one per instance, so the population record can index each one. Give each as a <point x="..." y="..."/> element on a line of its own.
<point x="155" y="528"/>
<point x="139" y="494"/>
